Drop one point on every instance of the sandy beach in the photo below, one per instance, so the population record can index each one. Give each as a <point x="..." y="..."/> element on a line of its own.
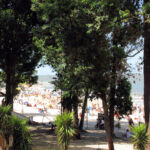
<point x="42" y="105"/>
<point x="92" y="139"/>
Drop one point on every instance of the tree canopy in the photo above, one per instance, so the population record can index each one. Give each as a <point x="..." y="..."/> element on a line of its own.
<point x="18" y="54"/>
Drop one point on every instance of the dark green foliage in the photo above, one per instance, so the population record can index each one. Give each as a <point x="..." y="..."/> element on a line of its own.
<point x="140" y="136"/>
<point x="18" y="55"/>
<point x="12" y="125"/>
<point x="5" y="125"/>
<point x="21" y="134"/>
<point x="85" y="43"/>
<point x="123" y="98"/>
<point x="64" y="129"/>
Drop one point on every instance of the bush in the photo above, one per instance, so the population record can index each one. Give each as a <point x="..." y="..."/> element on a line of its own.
<point x="21" y="134"/>
<point x="140" y="136"/>
<point x="5" y="125"/>
<point x="12" y="125"/>
<point x="64" y="129"/>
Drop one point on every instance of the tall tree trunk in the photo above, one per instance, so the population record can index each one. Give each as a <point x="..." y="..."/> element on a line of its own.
<point x="112" y="101"/>
<point x="9" y="97"/>
<point x="107" y="125"/>
<point x="146" y="69"/>
<point x="10" y="76"/>
<point x="147" y="74"/>
<point x="67" y="104"/>
<point x="75" y="112"/>
<point x="113" y="87"/>
<point x="111" y="118"/>
<point x="83" y="110"/>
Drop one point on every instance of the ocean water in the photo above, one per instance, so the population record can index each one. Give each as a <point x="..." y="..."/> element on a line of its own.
<point x="45" y="78"/>
<point x="137" y="82"/>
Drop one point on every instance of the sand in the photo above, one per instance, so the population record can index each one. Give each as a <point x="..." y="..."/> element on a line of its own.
<point x="92" y="139"/>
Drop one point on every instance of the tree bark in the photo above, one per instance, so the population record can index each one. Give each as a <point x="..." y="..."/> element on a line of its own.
<point x="83" y="110"/>
<point x="9" y="97"/>
<point x="147" y="74"/>
<point x="112" y="103"/>
<point x="107" y="125"/>
<point x="75" y="112"/>
<point x="76" y="119"/>
<point x="67" y="104"/>
<point x="146" y="70"/>
<point x="113" y="87"/>
<point x="10" y="76"/>
<point x="111" y="118"/>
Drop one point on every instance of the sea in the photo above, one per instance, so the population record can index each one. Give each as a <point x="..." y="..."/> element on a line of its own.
<point x="136" y="80"/>
<point x="137" y="84"/>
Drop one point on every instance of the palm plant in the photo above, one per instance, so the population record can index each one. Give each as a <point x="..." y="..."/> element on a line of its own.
<point x="64" y="129"/>
<point x="140" y="136"/>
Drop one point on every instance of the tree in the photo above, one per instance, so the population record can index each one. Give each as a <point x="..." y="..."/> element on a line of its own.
<point x="71" y="82"/>
<point x="123" y="99"/>
<point x="123" y="32"/>
<point x="84" y="107"/>
<point x="18" y="55"/>
<point x="146" y="60"/>
<point x="86" y="32"/>
<point x="69" y="73"/>
<point x="146" y="12"/>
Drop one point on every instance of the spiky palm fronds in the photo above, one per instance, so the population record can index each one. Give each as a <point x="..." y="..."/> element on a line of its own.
<point x="64" y="129"/>
<point x="140" y="136"/>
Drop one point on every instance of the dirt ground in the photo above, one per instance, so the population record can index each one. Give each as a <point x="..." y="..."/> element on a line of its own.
<point x="91" y="139"/>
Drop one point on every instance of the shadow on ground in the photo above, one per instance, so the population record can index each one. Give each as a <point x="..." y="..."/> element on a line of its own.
<point x="44" y="139"/>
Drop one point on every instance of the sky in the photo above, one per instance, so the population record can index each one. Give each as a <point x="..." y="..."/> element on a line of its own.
<point x="134" y="61"/>
<point x="45" y="70"/>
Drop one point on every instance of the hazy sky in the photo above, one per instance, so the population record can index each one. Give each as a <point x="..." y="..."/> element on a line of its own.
<point x="135" y="61"/>
<point x="47" y="70"/>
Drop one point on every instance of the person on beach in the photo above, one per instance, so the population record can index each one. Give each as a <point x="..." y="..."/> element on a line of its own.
<point x="130" y="121"/>
<point x="128" y="134"/>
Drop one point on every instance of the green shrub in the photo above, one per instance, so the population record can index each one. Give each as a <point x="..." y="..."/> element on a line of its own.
<point x="21" y="134"/>
<point x="5" y="112"/>
<point x="140" y="136"/>
<point x="5" y="125"/>
<point x="12" y="125"/>
<point x="64" y="129"/>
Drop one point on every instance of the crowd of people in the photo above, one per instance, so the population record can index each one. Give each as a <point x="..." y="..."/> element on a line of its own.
<point x="38" y="97"/>
<point x="43" y="99"/>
